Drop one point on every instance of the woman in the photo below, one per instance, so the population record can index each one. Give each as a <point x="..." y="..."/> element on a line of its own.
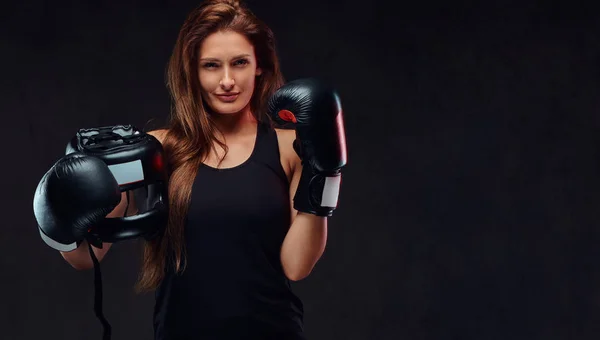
<point x="234" y="241"/>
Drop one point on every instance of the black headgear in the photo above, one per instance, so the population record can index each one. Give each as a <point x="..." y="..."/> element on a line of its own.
<point x="136" y="160"/>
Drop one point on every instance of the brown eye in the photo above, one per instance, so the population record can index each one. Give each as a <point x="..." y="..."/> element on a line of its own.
<point x="210" y="65"/>
<point x="241" y="62"/>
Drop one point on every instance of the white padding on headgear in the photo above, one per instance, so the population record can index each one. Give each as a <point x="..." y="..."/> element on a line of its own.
<point x="129" y="172"/>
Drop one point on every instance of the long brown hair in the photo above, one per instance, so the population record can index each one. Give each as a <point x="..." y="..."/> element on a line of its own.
<point x="190" y="130"/>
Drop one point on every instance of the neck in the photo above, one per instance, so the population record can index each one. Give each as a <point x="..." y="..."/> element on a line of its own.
<point x="236" y="124"/>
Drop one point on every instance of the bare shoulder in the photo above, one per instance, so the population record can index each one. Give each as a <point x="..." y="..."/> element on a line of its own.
<point x="289" y="158"/>
<point x="158" y="134"/>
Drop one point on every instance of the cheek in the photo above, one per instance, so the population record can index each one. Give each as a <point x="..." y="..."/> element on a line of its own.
<point x="208" y="81"/>
<point x="249" y="85"/>
<point x="247" y="77"/>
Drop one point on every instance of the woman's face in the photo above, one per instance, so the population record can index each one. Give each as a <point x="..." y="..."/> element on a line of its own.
<point x="227" y="72"/>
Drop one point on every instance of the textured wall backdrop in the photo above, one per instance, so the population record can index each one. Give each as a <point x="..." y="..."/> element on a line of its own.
<point x="469" y="204"/>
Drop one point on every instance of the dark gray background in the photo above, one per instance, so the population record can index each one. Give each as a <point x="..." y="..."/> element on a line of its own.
<point x="469" y="207"/>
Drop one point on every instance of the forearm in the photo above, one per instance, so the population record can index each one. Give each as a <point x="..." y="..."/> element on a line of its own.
<point x="80" y="258"/>
<point x="303" y="245"/>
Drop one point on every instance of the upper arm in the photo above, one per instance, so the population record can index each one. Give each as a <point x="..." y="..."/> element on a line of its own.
<point x="291" y="162"/>
<point x="296" y="172"/>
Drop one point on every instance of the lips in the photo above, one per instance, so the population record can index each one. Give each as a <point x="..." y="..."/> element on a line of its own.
<point x="228" y="97"/>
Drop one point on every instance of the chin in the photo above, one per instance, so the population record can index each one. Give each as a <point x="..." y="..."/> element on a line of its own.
<point x="228" y="108"/>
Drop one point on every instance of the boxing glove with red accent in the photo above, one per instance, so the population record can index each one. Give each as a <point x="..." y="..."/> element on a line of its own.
<point x="314" y="110"/>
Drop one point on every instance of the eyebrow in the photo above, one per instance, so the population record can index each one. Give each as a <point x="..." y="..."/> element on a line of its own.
<point x="215" y="59"/>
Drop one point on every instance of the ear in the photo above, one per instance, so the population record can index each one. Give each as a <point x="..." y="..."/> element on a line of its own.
<point x="258" y="71"/>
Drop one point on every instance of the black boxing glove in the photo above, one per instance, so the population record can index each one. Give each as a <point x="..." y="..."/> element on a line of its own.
<point x="76" y="193"/>
<point x="314" y="110"/>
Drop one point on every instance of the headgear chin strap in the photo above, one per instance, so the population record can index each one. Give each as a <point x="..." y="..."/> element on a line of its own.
<point x="136" y="160"/>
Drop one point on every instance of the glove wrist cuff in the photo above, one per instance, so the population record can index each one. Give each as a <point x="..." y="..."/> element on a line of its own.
<point x="317" y="193"/>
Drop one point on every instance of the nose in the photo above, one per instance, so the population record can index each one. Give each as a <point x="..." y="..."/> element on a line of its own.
<point x="227" y="81"/>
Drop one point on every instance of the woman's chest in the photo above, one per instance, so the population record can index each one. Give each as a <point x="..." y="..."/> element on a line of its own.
<point x="247" y="201"/>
